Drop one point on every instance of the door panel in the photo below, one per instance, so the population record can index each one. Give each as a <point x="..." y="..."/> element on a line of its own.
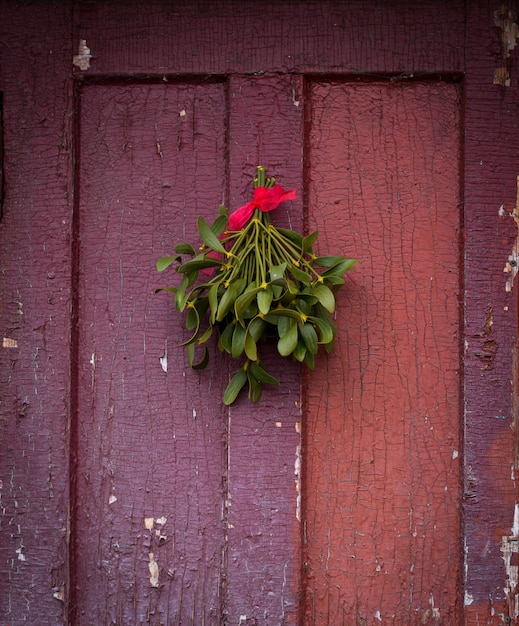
<point x="382" y="412"/>
<point x="150" y="440"/>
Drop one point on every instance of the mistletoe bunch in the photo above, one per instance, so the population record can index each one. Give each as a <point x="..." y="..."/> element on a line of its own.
<point x="260" y="283"/>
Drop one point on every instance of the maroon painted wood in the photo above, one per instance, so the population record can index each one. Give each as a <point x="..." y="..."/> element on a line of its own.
<point x="246" y="44"/>
<point x="383" y="418"/>
<point x="35" y="269"/>
<point x="491" y="168"/>
<point x="147" y="517"/>
<point x="266" y="127"/>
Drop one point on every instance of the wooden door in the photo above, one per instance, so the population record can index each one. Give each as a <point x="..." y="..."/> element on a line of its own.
<point x="379" y="488"/>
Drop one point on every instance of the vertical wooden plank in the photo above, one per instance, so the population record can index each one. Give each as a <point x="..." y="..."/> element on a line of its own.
<point x="147" y="520"/>
<point x="35" y="78"/>
<point x="264" y="442"/>
<point x="491" y="505"/>
<point x="382" y="413"/>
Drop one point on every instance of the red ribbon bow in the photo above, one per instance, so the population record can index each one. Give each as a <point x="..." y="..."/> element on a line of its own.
<point x="265" y="199"/>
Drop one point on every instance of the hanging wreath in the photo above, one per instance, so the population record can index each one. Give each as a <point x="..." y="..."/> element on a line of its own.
<point x="260" y="283"/>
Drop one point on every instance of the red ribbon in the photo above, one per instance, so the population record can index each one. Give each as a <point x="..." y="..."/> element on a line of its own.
<point x="265" y="199"/>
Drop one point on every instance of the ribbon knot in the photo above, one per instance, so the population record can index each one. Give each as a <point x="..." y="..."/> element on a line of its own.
<point x="265" y="199"/>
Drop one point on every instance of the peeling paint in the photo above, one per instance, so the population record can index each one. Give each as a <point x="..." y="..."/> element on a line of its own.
<point x="154" y="570"/>
<point x="510" y="555"/>
<point x="82" y="58"/>
<point x="59" y="593"/>
<point x="435" y="611"/>
<point x="511" y="266"/>
<point x="505" y="19"/>
<point x="297" y="472"/>
<point x="164" y="358"/>
<point x="509" y="551"/>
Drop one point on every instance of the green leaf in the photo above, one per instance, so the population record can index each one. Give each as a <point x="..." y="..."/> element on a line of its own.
<point x="192" y="318"/>
<point x="308" y="241"/>
<point x="300" y="351"/>
<point x="212" y="297"/>
<point x="309" y="336"/>
<point x="185" y="248"/>
<point x="194" y="322"/>
<point x="250" y="312"/>
<point x="265" y="300"/>
<point x="255" y="387"/>
<point x="238" y="341"/>
<point x="282" y="312"/>
<point x="284" y="325"/>
<point x="191" y="357"/>
<point x="170" y="289"/>
<point x="339" y="268"/>
<point x="229" y="297"/>
<point x="164" y="262"/>
<point x="235" y="386"/>
<point x="181" y="297"/>
<point x="299" y="275"/>
<point x="225" y="341"/>
<point x="325" y="297"/>
<point x="288" y="340"/>
<point x="326" y="329"/>
<point x="218" y="226"/>
<point x="208" y="237"/>
<point x="277" y="272"/>
<point x="206" y="336"/>
<point x="305" y="300"/>
<point x="292" y="288"/>
<point x="329" y="261"/>
<point x="332" y="279"/>
<point x="309" y="360"/>
<point x="277" y="290"/>
<point x="292" y="236"/>
<point x="199" y="264"/>
<point x="251" y="349"/>
<point x="256" y="328"/>
<point x="243" y="301"/>
<point x="260" y="373"/>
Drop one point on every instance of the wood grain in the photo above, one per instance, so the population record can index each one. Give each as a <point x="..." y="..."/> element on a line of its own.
<point x="35" y="278"/>
<point x="266" y="126"/>
<point x="382" y="413"/>
<point x="251" y="46"/>
<point x="147" y="512"/>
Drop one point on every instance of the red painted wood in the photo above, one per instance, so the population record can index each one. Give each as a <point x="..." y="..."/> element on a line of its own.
<point x="382" y="413"/>
<point x="147" y="516"/>
<point x="266" y="127"/>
